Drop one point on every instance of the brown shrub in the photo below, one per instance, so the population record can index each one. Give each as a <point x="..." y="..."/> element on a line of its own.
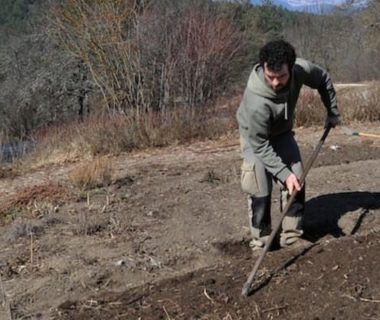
<point x="92" y="174"/>
<point x="141" y="58"/>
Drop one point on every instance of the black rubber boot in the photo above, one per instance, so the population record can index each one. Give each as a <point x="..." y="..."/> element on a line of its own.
<point x="260" y="219"/>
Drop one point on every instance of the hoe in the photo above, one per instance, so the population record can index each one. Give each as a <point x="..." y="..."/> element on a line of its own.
<point x="351" y="132"/>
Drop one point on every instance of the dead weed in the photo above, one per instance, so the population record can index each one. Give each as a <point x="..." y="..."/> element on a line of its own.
<point x="92" y="174"/>
<point x="25" y="198"/>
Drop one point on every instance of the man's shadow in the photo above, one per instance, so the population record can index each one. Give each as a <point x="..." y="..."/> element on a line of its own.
<point x="323" y="212"/>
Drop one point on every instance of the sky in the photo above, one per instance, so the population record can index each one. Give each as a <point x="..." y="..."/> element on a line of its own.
<point x="312" y="5"/>
<point x="314" y="2"/>
<point x="322" y="2"/>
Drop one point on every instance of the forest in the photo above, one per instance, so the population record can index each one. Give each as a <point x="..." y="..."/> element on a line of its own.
<point x="144" y="64"/>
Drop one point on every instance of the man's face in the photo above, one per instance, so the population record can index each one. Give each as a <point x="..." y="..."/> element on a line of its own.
<point x="277" y="79"/>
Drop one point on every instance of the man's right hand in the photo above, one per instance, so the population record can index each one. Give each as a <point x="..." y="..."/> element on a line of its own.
<point x="292" y="183"/>
<point x="333" y="121"/>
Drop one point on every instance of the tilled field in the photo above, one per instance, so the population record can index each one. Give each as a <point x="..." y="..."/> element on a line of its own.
<point x="168" y="239"/>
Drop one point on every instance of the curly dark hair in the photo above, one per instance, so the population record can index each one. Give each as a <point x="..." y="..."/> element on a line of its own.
<point x="276" y="53"/>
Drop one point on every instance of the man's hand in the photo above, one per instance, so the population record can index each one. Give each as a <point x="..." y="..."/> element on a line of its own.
<point x="292" y="183"/>
<point x="333" y="121"/>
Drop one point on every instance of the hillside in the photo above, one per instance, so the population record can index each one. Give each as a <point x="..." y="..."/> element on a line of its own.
<point x="169" y="239"/>
<point x="129" y="206"/>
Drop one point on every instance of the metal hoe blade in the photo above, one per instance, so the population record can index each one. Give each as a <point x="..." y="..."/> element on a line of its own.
<point x="247" y="286"/>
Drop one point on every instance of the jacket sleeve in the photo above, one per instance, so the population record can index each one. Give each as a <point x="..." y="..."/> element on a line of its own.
<point x="318" y="78"/>
<point x="255" y="130"/>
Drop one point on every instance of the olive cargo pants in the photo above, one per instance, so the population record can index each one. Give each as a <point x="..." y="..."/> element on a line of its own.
<point x="257" y="182"/>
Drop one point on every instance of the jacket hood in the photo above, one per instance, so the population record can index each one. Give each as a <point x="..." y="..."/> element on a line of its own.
<point x="258" y="86"/>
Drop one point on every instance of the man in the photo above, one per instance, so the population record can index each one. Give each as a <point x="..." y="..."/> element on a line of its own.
<point x="270" y="152"/>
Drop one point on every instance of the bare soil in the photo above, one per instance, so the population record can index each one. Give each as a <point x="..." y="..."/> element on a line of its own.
<point x="168" y="239"/>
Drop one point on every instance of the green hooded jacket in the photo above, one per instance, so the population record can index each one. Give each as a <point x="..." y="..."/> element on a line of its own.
<point x="264" y="114"/>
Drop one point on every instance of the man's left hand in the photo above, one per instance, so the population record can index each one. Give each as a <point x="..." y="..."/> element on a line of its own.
<point x="333" y="121"/>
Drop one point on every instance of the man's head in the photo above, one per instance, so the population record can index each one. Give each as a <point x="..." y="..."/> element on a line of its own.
<point x="277" y="59"/>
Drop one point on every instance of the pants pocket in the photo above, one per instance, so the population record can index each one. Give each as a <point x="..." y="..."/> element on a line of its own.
<point x="248" y="178"/>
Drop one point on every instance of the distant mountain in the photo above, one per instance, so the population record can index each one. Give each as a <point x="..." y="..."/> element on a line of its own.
<point x="316" y="6"/>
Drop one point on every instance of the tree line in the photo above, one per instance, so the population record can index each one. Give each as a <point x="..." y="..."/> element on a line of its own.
<point x="62" y="60"/>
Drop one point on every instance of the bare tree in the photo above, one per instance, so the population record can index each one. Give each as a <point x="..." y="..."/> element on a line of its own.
<point x="142" y="57"/>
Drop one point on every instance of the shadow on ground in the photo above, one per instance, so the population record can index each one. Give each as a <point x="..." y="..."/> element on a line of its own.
<point x="324" y="212"/>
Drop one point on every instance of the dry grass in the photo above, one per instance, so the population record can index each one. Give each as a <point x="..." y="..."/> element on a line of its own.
<point x="310" y="110"/>
<point x="92" y="174"/>
<point x="356" y="103"/>
<point x="116" y="133"/>
<point x="7" y="171"/>
<point x="361" y="103"/>
<point x="25" y="198"/>
<point x="22" y="227"/>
